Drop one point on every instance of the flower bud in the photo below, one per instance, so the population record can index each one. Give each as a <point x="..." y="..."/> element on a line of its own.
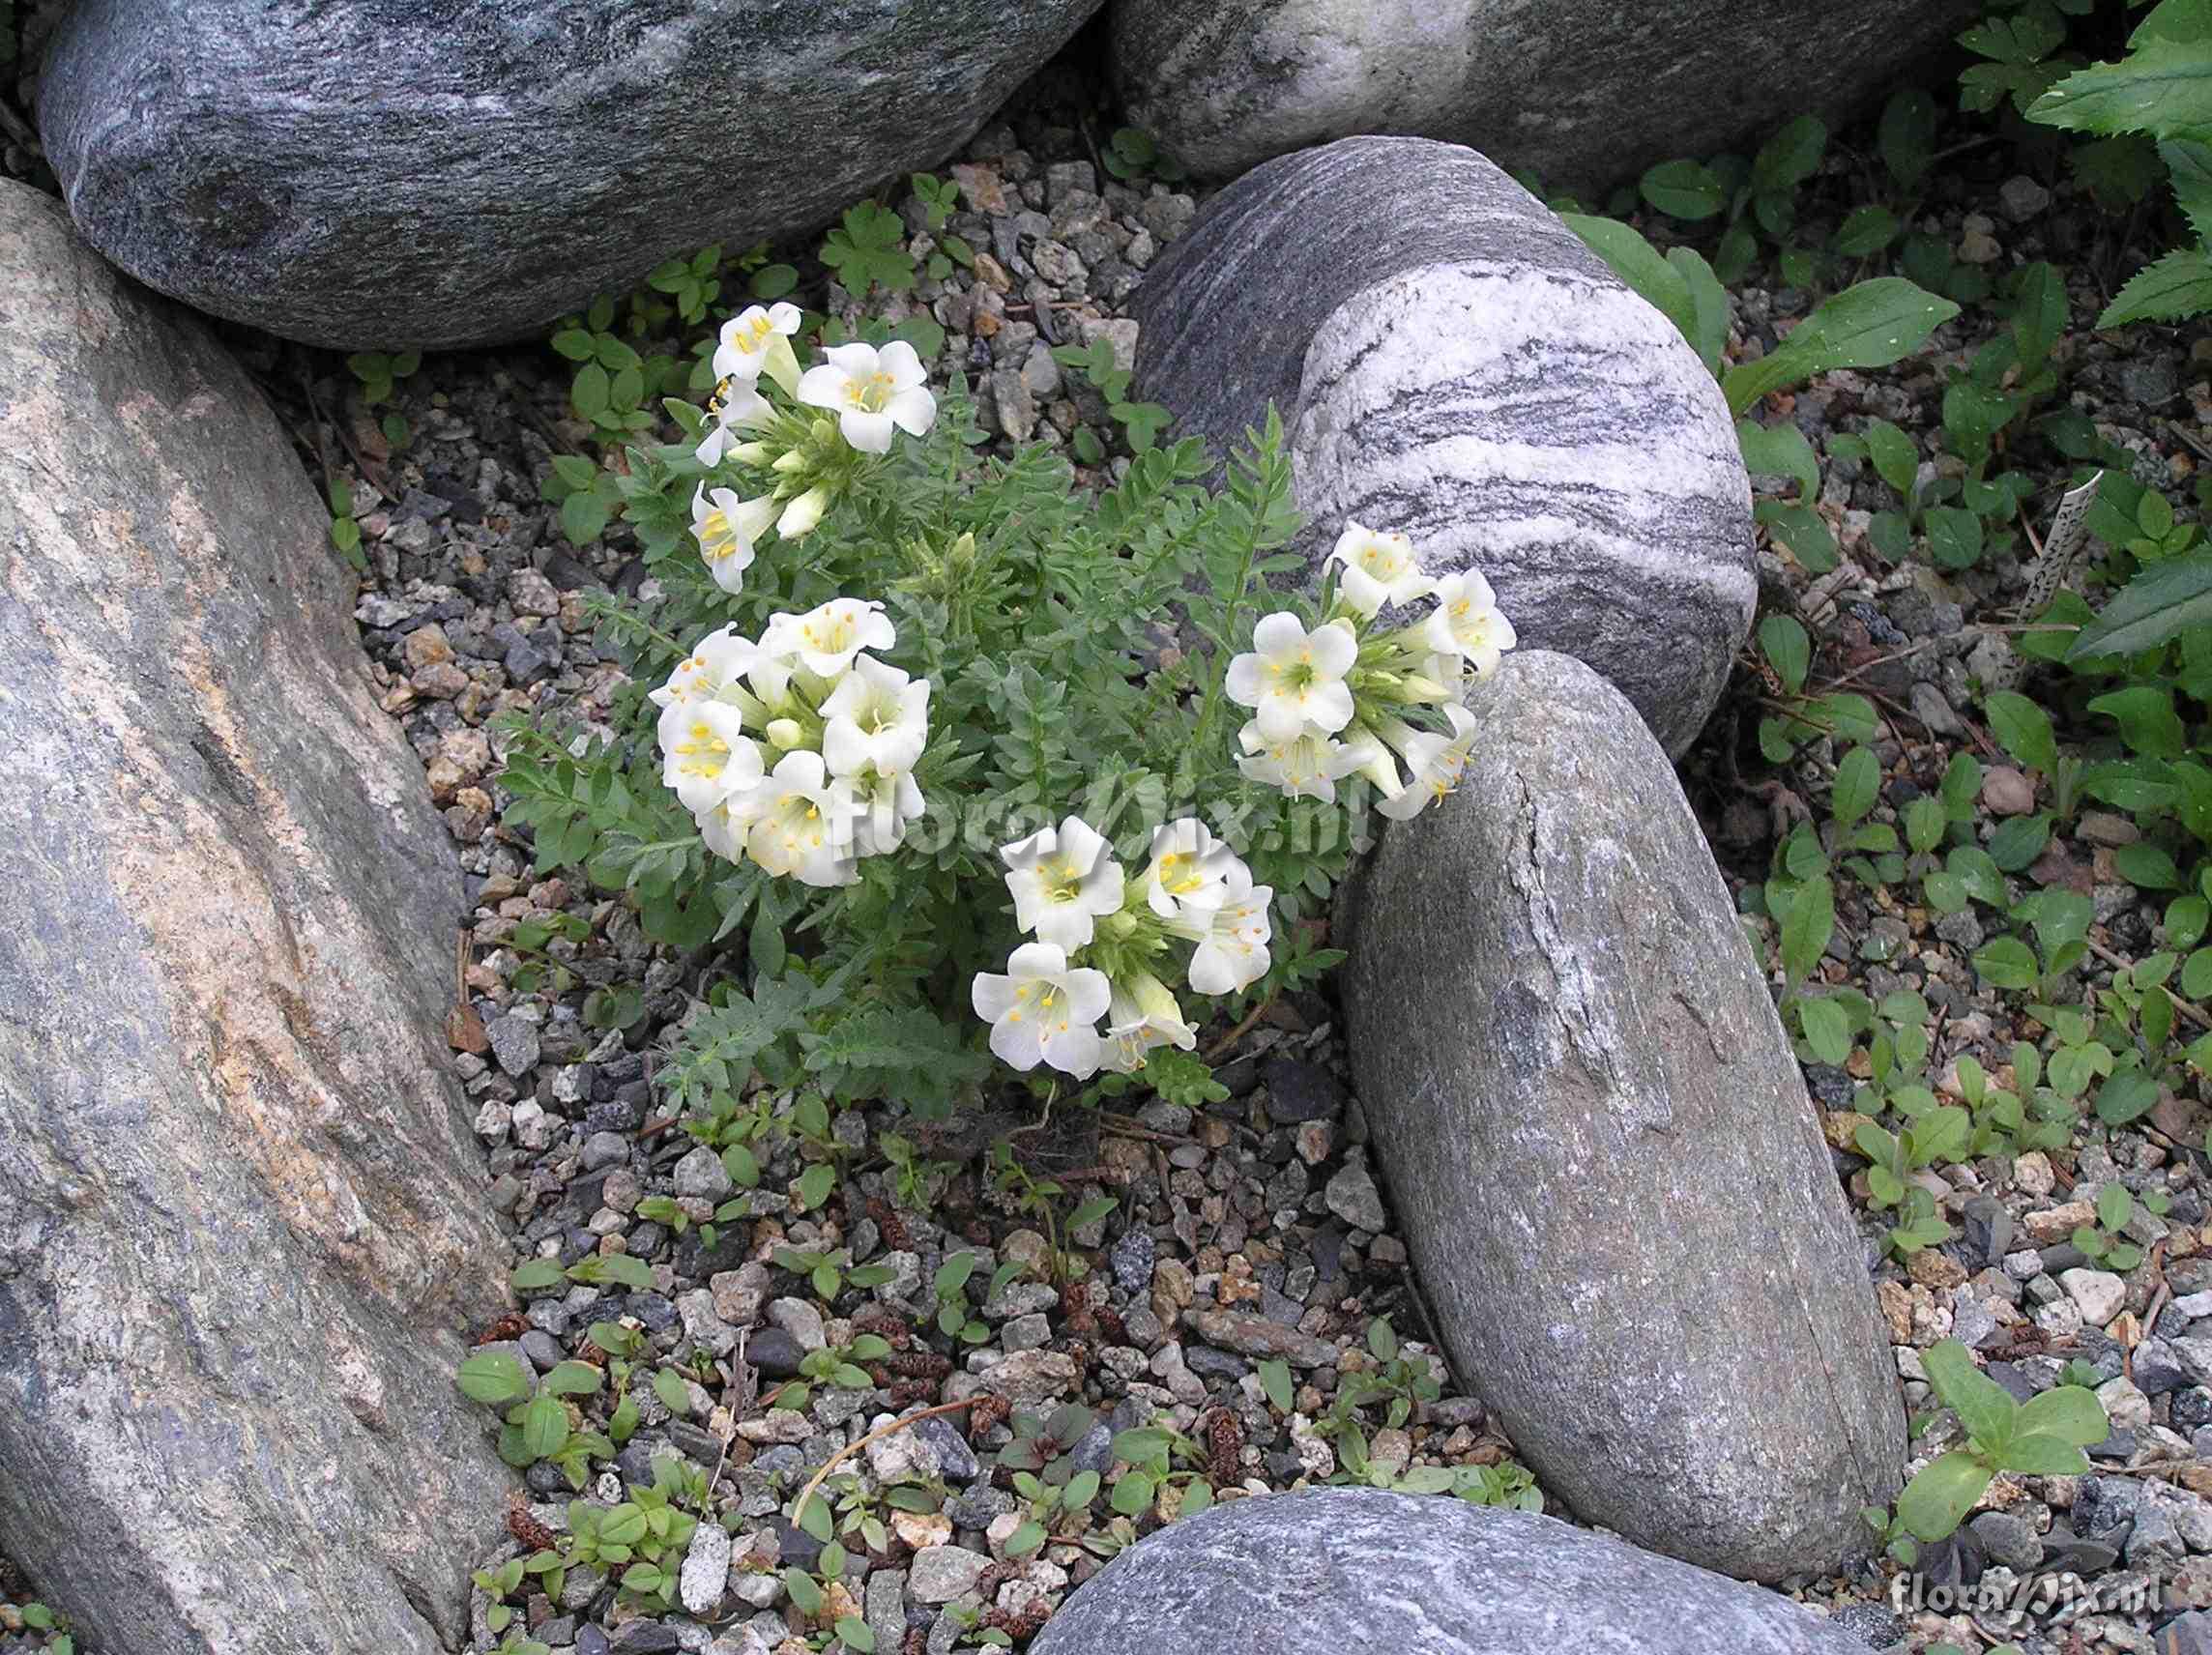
<point x="784" y="733"/>
<point x="802" y="514"/>
<point x="750" y="454"/>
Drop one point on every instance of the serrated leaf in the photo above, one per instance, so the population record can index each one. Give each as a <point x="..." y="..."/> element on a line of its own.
<point x="2162" y="87"/>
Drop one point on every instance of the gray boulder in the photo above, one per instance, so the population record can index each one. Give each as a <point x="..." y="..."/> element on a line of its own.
<point x="1361" y="1572"/>
<point x="1601" y="1153"/>
<point x="1452" y="363"/>
<point x="1586" y="93"/>
<point x="241" y="1208"/>
<point x="383" y="173"/>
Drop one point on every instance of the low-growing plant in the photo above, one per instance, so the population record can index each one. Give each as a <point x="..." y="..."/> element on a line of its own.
<point x="849" y="788"/>
<point x="2043" y="1437"/>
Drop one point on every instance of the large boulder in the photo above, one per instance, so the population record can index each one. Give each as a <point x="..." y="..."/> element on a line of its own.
<point x="241" y="1210"/>
<point x="1361" y="1572"/>
<point x="1584" y="92"/>
<point x="1452" y="363"/>
<point x="1600" y="1151"/>
<point x="383" y="173"/>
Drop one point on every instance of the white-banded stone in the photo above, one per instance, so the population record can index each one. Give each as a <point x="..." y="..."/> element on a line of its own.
<point x="1452" y="363"/>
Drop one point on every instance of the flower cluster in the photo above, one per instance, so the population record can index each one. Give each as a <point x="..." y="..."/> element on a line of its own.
<point x="1333" y="702"/>
<point x="845" y="731"/>
<point x="867" y="396"/>
<point x="1102" y="940"/>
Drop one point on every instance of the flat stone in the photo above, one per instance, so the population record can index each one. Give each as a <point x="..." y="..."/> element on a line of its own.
<point x="1453" y="364"/>
<point x="706" y="1572"/>
<point x="241" y="1209"/>
<point x="1362" y="1570"/>
<point x="701" y="1175"/>
<point x="939" y="1573"/>
<point x="1030" y="1379"/>
<point x="502" y="165"/>
<point x="1353" y="1197"/>
<point x="1630" y="1138"/>
<point x="1257" y="1336"/>
<point x="1580" y="92"/>
<point x="2099" y="1294"/>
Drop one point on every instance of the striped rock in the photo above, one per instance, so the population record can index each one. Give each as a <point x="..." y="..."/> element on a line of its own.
<point x="1451" y="363"/>
<point x="1584" y="92"/>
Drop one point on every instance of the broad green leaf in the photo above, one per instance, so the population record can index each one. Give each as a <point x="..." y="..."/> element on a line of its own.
<point x="1896" y="460"/>
<point x="815" y="1185"/>
<point x="2173" y="289"/>
<point x="2126" y="1096"/>
<point x="1132" y="1494"/>
<point x="2148" y="721"/>
<point x="1871" y="325"/>
<point x="2041" y="1454"/>
<point x="1275" y="1380"/>
<point x="574" y="1378"/>
<point x="1866" y="231"/>
<point x="1642" y="267"/>
<point x="2147" y="867"/>
<point x="1779" y="450"/>
<point x="544" y="1425"/>
<point x="1684" y="189"/>
<point x="1789" y="650"/>
<point x="495" y="1377"/>
<point x="1024" y="1539"/>
<point x="2162" y="87"/>
<point x="1858" y="785"/>
<point x="2072" y="1413"/>
<point x="2023" y="729"/>
<point x="2006" y="962"/>
<point x="1984" y="1407"/>
<point x="674" y="1395"/>
<point x="1805" y="931"/>
<point x="1708" y="303"/>
<point x="2152" y="609"/>
<point x="805" y="1594"/>
<point x="1936" y="1501"/>
<point x="1790" y="156"/>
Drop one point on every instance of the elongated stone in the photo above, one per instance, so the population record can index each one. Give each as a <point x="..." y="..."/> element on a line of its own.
<point x="241" y="1224"/>
<point x="1600" y="1151"/>
<point x="1362" y="1571"/>
<point x="1451" y="363"/>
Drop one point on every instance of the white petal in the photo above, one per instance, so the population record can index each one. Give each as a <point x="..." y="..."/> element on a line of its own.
<point x="1035" y="962"/>
<point x="913" y="410"/>
<point x="1329" y="707"/>
<point x="1248" y="679"/>
<point x="1278" y="634"/>
<point x="784" y="318"/>
<point x="1089" y="994"/>
<point x="822" y="387"/>
<point x="1334" y="649"/>
<point x="1066" y="925"/>
<point x="898" y="360"/>
<point x="1074" y="1051"/>
<point x="856" y="360"/>
<point x="871" y="433"/>
<point x="1019" y="1045"/>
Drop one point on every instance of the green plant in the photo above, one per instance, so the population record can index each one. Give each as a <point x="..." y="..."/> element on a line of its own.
<point x="1403" y="1382"/>
<point x="37" y="1615"/>
<point x="1166" y="1473"/>
<point x="1130" y="154"/>
<point x="828" y="1272"/>
<point x="641" y="1541"/>
<point x="2102" y="1240"/>
<point x="950" y="1286"/>
<point x="1141" y="422"/>
<point x="2163" y="91"/>
<point x="345" y="529"/>
<point x="915" y="1183"/>
<point x="868" y="250"/>
<point x="2045" y="1437"/>
<point x="836" y="1365"/>
<point x="379" y="374"/>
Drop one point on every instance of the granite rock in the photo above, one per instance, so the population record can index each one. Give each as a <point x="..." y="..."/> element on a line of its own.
<point x="1617" y="1199"/>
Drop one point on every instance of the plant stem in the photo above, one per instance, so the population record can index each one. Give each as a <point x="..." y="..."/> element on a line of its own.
<point x="850" y="1448"/>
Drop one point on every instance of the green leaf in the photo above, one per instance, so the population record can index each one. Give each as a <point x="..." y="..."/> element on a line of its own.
<point x="2148" y="721"/>
<point x="2175" y="288"/>
<point x="1805" y="931"/>
<point x="2128" y="1095"/>
<point x="544" y="1426"/>
<point x="1827" y="1030"/>
<point x="854" y="1632"/>
<point x="1984" y="1407"/>
<point x="2071" y="1413"/>
<point x="1934" y="1503"/>
<point x="1642" y="267"/>
<point x="1872" y="325"/>
<point x="1779" y="450"/>
<point x="2006" y="962"/>
<point x="1907" y="137"/>
<point x="805" y="1594"/>
<point x="1787" y="649"/>
<point x="2162" y="87"/>
<point x="1024" y="1539"/>
<point x="1133" y="1493"/>
<point x="674" y="1395"/>
<point x="1866" y="231"/>
<point x="2023" y="729"/>
<point x="1790" y="156"/>
<point x="2151" y="610"/>
<point x="574" y="1378"/>
<point x="494" y="1377"/>
<point x="1896" y="460"/>
<point x="815" y="1185"/>
<point x="2040" y="1454"/>
<point x="1858" y="785"/>
<point x="2147" y="867"/>
<point x="2114" y="1207"/>
<point x="1684" y="189"/>
<point x="1275" y="1380"/>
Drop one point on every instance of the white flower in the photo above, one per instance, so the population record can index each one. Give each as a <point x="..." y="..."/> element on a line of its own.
<point x="827" y="637"/>
<point x="878" y="717"/>
<point x="1189" y="868"/>
<point x="1378" y="569"/>
<point x="1293" y="677"/>
<point x="872" y="392"/>
<point x="800" y="823"/>
<point x="735" y="404"/>
<point x="1231" y="939"/>
<point x="726" y="527"/>
<point x="803" y="513"/>
<point x="705" y="756"/>
<point x="1041" y="1011"/>
<point x="1143" y="1014"/>
<point x="1465" y="622"/>
<point x="757" y="339"/>
<point x="714" y="660"/>
<point x="886" y="804"/>
<point x="1062" y="881"/>
<point x="1435" y="762"/>
<point x="1307" y="765"/>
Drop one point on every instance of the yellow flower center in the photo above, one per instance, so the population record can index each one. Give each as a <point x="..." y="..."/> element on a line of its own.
<point x="717" y="539"/>
<point x="869" y="394"/>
